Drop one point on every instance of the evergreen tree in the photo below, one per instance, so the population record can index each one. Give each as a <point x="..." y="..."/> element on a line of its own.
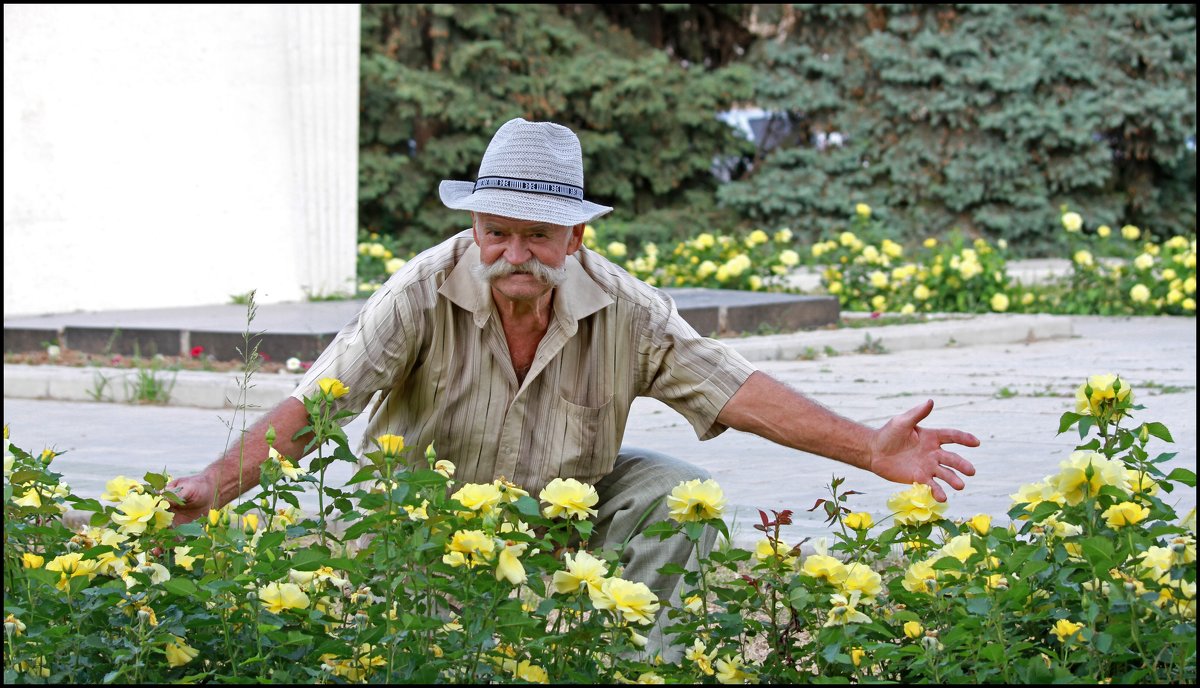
<point x="438" y="80"/>
<point x="982" y="117"/>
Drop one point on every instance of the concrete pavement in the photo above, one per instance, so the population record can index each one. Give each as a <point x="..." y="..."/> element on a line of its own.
<point x="1010" y="393"/>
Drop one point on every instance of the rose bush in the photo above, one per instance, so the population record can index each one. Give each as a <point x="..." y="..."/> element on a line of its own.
<point x="404" y="576"/>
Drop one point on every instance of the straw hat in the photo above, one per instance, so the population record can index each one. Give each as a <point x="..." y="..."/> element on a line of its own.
<point x="530" y="171"/>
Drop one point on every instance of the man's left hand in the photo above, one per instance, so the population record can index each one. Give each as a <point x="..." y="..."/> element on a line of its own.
<point x="904" y="452"/>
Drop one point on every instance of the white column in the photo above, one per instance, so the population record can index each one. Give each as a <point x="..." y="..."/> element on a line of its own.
<point x="322" y="66"/>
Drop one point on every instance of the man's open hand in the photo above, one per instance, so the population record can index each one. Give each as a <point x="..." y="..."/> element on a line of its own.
<point x="904" y="452"/>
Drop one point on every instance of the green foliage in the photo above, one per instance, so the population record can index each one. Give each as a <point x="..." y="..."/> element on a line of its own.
<point x="438" y="80"/>
<point x="1093" y="581"/>
<point x="980" y="117"/>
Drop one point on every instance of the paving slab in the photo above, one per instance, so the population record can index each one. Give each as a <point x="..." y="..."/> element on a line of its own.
<point x="304" y="329"/>
<point x="1008" y="394"/>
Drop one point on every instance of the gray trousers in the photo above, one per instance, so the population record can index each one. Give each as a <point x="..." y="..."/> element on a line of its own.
<point x="639" y="479"/>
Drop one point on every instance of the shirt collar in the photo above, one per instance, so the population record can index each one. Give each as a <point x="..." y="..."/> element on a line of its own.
<point x="578" y="297"/>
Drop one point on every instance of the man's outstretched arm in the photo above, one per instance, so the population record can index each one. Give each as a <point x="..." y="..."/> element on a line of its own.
<point x="900" y="451"/>
<point x="236" y="472"/>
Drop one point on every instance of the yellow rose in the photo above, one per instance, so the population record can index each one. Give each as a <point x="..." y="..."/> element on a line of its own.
<point x="921" y="292"/>
<point x="765" y="549"/>
<point x="1066" y="629"/>
<point x="789" y="258"/>
<point x="568" y="498"/>
<point x="999" y="303"/>
<point x="1072" y="480"/>
<point x="696" y="501"/>
<point x="1104" y="231"/>
<point x="859" y="520"/>
<point x="981" y="523"/>
<point x="634" y="601"/>
<point x="277" y="597"/>
<point x="116" y="489"/>
<point x="332" y="387"/>
<point x="1084" y="259"/>
<point x="1107" y="391"/>
<point x="826" y="567"/>
<point x="1130" y="232"/>
<point x="913" y="629"/>
<point x="844" y="611"/>
<point x="479" y="497"/>
<point x="30" y="560"/>
<point x="1140" y="293"/>
<point x="179" y="652"/>
<point x="581" y="570"/>
<point x="617" y="250"/>
<point x="1072" y="222"/>
<point x="916" y="505"/>
<point x="862" y="580"/>
<point x="921" y="577"/>
<point x="391" y="445"/>
<point x="863" y="210"/>
<point x="930" y="242"/>
<point x="137" y="512"/>
<point x="1125" y="514"/>
<point x="730" y="671"/>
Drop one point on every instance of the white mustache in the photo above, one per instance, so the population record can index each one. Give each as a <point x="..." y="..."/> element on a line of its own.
<point x="501" y="268"/>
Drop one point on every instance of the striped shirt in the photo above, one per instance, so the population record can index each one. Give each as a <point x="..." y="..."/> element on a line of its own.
<point x="430" y="342"/>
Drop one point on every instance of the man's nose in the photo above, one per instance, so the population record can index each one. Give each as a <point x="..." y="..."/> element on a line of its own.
<point x="516" y="251"/>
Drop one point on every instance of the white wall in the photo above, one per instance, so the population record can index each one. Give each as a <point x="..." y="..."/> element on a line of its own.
<point x="161" y="155"/>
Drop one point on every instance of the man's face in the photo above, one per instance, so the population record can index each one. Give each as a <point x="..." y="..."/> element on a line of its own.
<point x="527" y="246"/>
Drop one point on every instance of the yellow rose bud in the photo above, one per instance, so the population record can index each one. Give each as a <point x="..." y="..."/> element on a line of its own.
<point x="913" y="629"/>
<point x="391" y="445"/>
<point x="981" y="523"/>
<point x="859" y="520"/>
<point x="332" y="387"/>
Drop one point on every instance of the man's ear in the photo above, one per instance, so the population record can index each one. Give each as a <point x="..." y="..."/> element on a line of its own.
<point x="576" y="239"/>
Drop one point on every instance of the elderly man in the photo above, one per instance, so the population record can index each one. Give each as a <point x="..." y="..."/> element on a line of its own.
<point x="518" y="353"/>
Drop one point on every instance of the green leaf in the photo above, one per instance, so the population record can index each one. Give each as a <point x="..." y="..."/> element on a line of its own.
<point x="1085" y="424"/>
<point x="1099" y="552"/>
<point x="1160" y="431"/>
<point x="1067" y="420"/>
<point x="155" y="480"/>
<point x="368" y="473"/>
<point x="1183" y="475"/>
<point x="584" y="528"/>
<point x="527" y="506"/>
<point x="180" y="586"/>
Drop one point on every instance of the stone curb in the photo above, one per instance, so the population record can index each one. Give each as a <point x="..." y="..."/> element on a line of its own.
<point x="221" y="390"/>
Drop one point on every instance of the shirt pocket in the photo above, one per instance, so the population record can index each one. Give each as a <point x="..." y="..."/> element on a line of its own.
<point x="589" y="445"/>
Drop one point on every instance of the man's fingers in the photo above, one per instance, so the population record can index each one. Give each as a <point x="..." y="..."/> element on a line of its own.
<point x="958" y="463"/>
<point x="950" y="478"/>
<point x="918" y="413"/>
<point x="952" y="436"/>
<point x="938" y="493"/>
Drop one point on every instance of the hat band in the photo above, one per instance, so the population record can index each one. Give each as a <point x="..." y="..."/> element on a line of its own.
<point x="531" y="186"/>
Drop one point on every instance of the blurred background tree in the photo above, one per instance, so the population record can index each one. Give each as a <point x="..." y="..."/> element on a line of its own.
<point x="987" y="118"/>
<point x="639" y="84"/>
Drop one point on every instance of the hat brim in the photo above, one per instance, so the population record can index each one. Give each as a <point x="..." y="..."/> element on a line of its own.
<point x="519" y="205"/>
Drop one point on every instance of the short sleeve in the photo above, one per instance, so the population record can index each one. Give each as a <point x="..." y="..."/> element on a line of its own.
<point x="692" y="374"/>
